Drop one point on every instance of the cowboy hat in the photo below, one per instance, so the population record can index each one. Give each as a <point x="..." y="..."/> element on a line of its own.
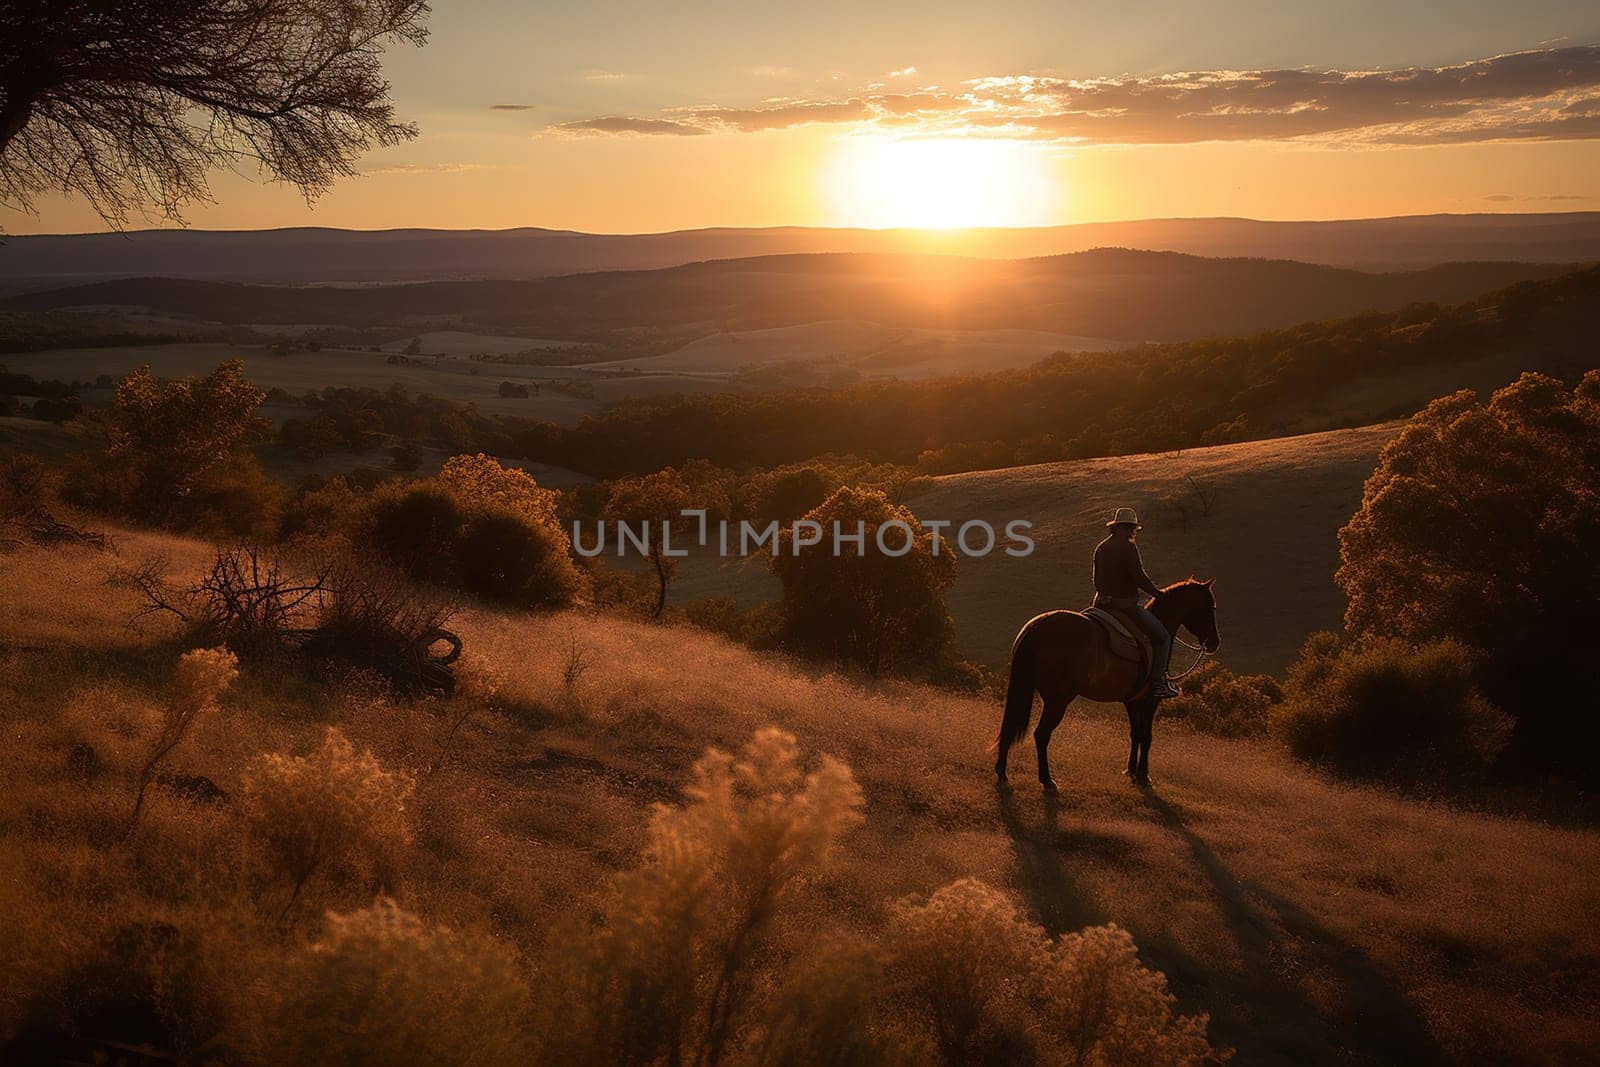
<point x="1125" y="517"/>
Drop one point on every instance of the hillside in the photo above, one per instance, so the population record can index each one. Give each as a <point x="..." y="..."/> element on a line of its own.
<point x="1316" y="375"/>
<point x="1270" y="539"/>
<point x="1105" y="293"/>
<point x="1316" y="922"/>
<point x="321" y="254"/>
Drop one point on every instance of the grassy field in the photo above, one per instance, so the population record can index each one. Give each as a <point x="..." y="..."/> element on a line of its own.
<point x="461" y="380"/>
<point x="1270" y="538"/>
<point x="1316" y="922"/>
<point x="866" y="348"/>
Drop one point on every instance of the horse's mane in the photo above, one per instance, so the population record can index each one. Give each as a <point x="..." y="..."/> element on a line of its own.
<point x="1186" y="583"/>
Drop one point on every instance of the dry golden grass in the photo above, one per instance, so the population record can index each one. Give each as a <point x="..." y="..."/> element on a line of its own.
<point x="1313" y="920"/>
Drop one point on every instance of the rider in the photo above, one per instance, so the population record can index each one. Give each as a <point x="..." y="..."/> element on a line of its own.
<point x="1118" y="577"/>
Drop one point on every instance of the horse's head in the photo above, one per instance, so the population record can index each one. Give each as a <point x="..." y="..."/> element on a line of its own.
<point x="1195" y="607"/>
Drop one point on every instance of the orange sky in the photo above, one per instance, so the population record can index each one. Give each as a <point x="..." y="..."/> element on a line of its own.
<point x="616" y="118"/>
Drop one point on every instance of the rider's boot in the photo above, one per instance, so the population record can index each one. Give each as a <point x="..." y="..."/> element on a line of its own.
<point x="1163" y="689"/>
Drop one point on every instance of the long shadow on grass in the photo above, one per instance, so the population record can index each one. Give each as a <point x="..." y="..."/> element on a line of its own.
<point x="1045" y="876"/>
<point x="1377" y="1023"/>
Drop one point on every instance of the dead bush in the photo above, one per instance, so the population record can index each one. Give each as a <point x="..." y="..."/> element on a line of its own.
<point x="369" y="616"/>
<point x="350" y="615"/>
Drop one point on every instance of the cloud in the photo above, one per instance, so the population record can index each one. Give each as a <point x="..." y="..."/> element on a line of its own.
<point x="903" y="72"/>
<point x="777" y="116"/>
<point x="595" y="75"/>
<point x="1545" y="94"/>
<point x="622" y="124"/>
<point x="511" y="107"/>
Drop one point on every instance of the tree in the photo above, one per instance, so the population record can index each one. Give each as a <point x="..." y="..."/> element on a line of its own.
<point x="649" y="502"/>
<point x="1481" y="524"/>
<point x="165" y="439"/>
<point x="129" y="103"/>
<point x="860" y="604"/>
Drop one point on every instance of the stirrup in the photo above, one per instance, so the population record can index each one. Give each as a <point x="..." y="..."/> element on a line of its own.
<point x="1164" y="689"/>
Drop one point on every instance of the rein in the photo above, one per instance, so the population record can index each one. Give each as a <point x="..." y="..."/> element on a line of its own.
<point x="1199" y="654"/>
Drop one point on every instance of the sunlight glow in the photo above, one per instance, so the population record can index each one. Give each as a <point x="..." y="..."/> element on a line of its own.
<point x="942" y="184"/>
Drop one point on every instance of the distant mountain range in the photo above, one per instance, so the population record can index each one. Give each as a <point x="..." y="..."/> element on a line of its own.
<point x="330" y="255"/>
<point x="1107" y="293"/>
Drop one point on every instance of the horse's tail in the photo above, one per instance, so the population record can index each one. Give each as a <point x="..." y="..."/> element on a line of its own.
<point x="1019" y="692"/>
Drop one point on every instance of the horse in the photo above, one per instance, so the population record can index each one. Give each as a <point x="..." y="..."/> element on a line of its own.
<point x="1062" y="655"/>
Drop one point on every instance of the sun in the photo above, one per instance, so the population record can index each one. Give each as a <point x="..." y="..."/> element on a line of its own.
<point x="941" y="184"/>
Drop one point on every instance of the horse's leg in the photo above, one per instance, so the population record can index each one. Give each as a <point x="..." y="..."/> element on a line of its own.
<point x="1133" y="739"/>
<point x="1055" y="706"/>
<point x="1147" y="717"/>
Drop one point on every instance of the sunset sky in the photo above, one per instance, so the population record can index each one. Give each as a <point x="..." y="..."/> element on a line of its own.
<point x="616" y="117"/>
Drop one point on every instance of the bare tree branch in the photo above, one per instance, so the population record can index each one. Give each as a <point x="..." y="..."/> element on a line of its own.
<point x="130" y="103"/>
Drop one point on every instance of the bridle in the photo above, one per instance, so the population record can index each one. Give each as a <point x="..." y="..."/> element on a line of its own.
<point x="1200" y="653"/>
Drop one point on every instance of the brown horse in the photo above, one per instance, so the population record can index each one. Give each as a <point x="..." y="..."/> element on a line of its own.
<point x="1065" y="654"/>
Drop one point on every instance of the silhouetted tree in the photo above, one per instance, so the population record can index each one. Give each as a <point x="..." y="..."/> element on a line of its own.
<point x="167" y="441"/>
<point x="880" y="610"/>
<point x="654" y="499"/>
<point x="128" y="103"/>
<point x="1481" y="524"/>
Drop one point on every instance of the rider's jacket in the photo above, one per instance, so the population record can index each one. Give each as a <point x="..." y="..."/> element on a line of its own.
<point x="1118" y="570"/>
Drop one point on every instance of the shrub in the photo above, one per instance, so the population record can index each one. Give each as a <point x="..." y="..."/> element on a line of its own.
<point x="757" y="627"/>
<point x="418" y="528"/>
<point x="1480" y="524"/>
<point x="54" y="410"/>
<point x="972" y="981"/>
<point x="1385" y="708"/>
<point x="860" y="605"/>
<point x="370" y="617"/>
<point x="505" y="556"/>
<point x="165" y="438"/>
<point x="382" y="986"/>
<point x="235" y="499"/>
<point x="25" y="485"/>
<point x="670" y="975"/>
<point x="332" y="808"/>
<point x="1216" y="701"/>
<point x="478" y="526"/>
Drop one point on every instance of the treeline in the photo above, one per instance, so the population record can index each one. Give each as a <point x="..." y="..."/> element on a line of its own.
<point x="1154" y="398"/>
<point x="22" y="331"/>
<point x="48" y="399"/>
<point x="359" y="420"/>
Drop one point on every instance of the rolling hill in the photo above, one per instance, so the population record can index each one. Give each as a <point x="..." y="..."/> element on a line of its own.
<point x="1106" y="293"/>
<point x="319" y="254"/>
<point x="1317" y="922"/>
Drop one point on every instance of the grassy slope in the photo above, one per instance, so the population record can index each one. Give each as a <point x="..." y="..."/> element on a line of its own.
<point x="1270" y="540"/>
<point x="1317" y="922"/>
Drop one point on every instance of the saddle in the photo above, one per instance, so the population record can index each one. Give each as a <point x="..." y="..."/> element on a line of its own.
<point x="1128" y="641"/>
